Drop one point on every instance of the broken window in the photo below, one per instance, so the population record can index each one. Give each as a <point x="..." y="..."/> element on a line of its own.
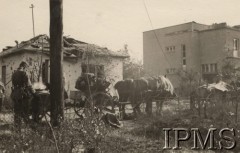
<point x="97" y="70"/>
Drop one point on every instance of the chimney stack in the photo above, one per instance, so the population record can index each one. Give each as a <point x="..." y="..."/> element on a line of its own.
<point x="16" y="43"/>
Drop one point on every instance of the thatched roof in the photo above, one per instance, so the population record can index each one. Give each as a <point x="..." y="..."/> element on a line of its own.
<point x="72" y="48"/>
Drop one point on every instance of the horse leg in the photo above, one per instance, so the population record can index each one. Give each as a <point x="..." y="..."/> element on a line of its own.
<point x="149" y="107"/>
<point x="159" y="105"/>
<point x="136" y="109"/>
<point x="199" y="107"/>
<point x="192" y="105"/>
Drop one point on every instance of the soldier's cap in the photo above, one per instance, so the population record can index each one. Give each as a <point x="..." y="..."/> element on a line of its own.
<point x="23" y="64"/>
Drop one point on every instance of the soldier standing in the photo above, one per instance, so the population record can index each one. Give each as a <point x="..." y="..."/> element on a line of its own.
<point x="22" y="91"/>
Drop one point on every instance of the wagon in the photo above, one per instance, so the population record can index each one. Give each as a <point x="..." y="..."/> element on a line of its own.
<point x="209" y="95"/>
<point x="97" y="102"/>
<point x="92" y="94"/>
<point x="40" y="105"/>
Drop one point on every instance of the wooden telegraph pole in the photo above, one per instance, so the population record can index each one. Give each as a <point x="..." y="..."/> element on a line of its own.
<point x="31" y="7"/>
<point x="56" y="58"/>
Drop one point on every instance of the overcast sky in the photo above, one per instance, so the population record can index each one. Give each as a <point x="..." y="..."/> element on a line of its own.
<point x="111" y="23"/>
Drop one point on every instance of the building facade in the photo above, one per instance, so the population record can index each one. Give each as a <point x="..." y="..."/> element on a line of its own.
<point x="190" y="47"/>
<point x="77" y="55"/>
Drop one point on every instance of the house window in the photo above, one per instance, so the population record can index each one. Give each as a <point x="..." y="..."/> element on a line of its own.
<point x="84" y="68"/>
<point x="184" y="61"/>
<point x="4" y="72"/>
<point x="100" y="70"/>
<point x="184" y="53"/>
<point x="45" y="72"/>
<point x="203" y="68"/>
<point x="170" y="70"/>
<point x="97" y="70"/>
<point x="170" y="49"/>
<point x="183" y="47"/>
<point x="235" y="44"/>
<point x="211" y="68"/>
<point x="207" y="68"/>
<point x="215" y="67"/>
<point x="235" y="47"/>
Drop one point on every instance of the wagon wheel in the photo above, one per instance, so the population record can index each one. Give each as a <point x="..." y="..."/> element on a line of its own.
<point x="103" y="101"/>
<point x="80" y="106"/>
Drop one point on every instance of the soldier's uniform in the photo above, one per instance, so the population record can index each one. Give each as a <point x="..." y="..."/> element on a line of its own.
<point x="21" y="93"/>
<point x="85" y="81"/>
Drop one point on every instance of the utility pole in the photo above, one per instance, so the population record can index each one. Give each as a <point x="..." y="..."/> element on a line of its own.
<point x="56" y="58"/>
<point x="32" y="6"/>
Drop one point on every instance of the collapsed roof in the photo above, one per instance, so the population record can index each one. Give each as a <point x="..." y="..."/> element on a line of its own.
<point x="72" y="48"/>
<point x="221" y="86"/>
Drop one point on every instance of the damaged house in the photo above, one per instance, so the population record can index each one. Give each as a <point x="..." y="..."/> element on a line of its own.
<point x="77" y="55"/>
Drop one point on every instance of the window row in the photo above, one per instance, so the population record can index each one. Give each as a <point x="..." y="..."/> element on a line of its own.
<point x="170" y="48"/>
<point x="171" y="70"/>
<point x="209" y="68"/>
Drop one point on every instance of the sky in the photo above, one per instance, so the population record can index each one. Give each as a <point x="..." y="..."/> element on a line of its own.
<point x="111" y="23"/>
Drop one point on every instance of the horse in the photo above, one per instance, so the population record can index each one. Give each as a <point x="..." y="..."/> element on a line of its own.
<point x="145" y="90"/>
<point x="161" y="89"/>
<point x="124" y="89"/>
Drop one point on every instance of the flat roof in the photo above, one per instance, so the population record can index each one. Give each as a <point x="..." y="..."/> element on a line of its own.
<point x="176" y="25"/>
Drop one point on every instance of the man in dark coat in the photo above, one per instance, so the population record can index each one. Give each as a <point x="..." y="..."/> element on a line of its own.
<point x="84" y="82"/>
<point x="22" y="91"/>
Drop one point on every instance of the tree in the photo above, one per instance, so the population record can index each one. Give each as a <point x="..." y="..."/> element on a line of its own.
<point x="132" y="69"/>
<point x="189" y="80"/>
<point x="230" y="73"/>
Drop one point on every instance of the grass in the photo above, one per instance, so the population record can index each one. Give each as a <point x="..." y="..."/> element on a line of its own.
<point x="143" y="135"/>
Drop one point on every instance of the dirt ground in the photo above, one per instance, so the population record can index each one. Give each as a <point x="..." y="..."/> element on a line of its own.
<point x="143" y="134"/>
